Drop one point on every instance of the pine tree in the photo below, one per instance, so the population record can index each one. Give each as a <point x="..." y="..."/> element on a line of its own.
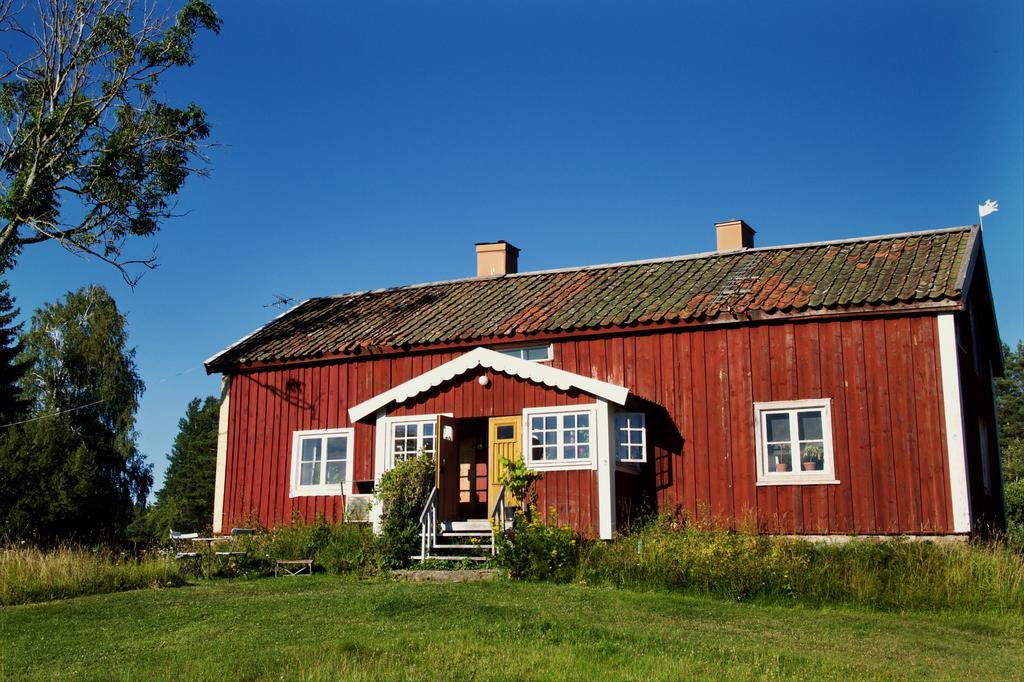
<point x="13" y="404"/>
<point x="186" y="500"/>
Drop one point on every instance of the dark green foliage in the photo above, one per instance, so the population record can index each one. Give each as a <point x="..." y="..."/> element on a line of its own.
<point x="185" y="503"/>
<point x="403" y="491"/>
<point x="535" y="550"/>
<point x="74" y="472"/>
<point x="1010" y="412"/>
<point x="1014" y="496"/>
<point x="12" y="368"/>
<point x="88" y="131"/>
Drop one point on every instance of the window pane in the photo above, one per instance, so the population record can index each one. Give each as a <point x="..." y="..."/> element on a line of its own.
<point x="337" y="448"/>
<point x="550" y="452"/>
<point x="780" y="458"/>
<point x="809" y="425"/>
<point x="583" y="436"/>
<point x="551" y="423"/>
<point x="569" y="452"/>
<point x="399" y="430"/>
<point x="569" y="421"/>
<point x="428" y="445"/>
<point x="428" y="429"/>
<point x="550" y="437"/>
<point x="570" y="437"/>
<point x="536" y="353"/>
<point x="335" y="472"/>
<point x="812" y="456"/>
<point x="583" y="420"/>
<point x="537" y="423"/>
<point x="506" y="432"/>
<point x="310" y="449"/>
<point x="309" y="473"/>
<point x="621" y="421"/>
<point x="582" y="452"/>
<point x="636" y="452"/>
<point x="411" y="429"/>
<point x="778" y="427"/>
<point x="536" y="454"/>
<point x="621" y="452"/>
<point x="537" y="438"/>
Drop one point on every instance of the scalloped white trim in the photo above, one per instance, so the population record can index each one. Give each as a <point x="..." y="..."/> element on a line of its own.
<point x="498" y="362"/>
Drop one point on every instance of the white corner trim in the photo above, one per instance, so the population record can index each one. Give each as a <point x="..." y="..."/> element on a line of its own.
<point x="605" y="472"/>
<point x="499" y="362"/>
<point x="953" y="409"/>
<point x="222" y="454"/>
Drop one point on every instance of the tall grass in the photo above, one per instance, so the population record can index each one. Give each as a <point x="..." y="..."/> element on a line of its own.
<point x="34" y="575"/>
<point x="341" y="548"/>
<point x="888" y="575"/>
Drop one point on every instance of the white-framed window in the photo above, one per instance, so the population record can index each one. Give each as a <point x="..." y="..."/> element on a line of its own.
<point x="321" y="462"/>
<point x="794" y="442"/>
<point x="630" y="437"/>
<point x="407" y="437"/>
<point x="537" y="353"/>
<point x="560" y="437"/>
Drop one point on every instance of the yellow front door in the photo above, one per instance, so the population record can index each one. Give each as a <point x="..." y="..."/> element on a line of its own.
<point x="504" y="442"/>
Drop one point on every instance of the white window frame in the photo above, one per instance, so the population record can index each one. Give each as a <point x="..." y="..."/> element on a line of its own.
<point x="827" y="474"/>
<point x="510" y="351"/>
<point x="329" y="489"/>
<point x="389" y="432"/>
<point x="590" y="409"/>
<point x="642" y="430"/>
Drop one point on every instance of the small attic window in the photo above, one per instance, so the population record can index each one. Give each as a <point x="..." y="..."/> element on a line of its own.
<point x="538" y="353"/>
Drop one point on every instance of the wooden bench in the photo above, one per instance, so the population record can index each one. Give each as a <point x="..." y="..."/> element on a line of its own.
<point x="293" y="566"/>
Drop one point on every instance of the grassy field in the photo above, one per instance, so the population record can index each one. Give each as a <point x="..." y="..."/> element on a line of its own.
<point x="327" y="627"/>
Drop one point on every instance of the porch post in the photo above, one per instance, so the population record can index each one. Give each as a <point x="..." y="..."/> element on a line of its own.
<point x="605" y="470"/>
<point x="379" y="462"/>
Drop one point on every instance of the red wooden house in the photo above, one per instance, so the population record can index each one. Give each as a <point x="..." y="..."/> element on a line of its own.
<point x="833" y="388"/>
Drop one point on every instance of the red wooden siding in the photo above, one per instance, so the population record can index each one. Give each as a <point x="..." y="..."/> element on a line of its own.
<point x="882" y="375"/>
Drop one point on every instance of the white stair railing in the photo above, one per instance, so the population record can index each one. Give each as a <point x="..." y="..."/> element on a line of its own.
<point x="497" y="519"/>
<point x="428" y="525"/>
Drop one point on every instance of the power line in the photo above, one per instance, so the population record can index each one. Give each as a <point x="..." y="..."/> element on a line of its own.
<point x="53" y="414"/>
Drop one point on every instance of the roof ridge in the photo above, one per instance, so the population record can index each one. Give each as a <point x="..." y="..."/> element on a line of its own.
<point x="650" y="261"/>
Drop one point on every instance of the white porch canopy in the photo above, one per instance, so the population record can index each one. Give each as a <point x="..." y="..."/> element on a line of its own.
<point x="499" y="362"/>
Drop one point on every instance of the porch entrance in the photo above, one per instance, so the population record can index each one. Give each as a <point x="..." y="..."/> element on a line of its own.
<point x="469" y="463"/>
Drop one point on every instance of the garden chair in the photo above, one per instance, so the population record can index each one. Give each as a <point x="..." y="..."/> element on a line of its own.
<point x="225" y="558"/>
<point x="187" y="560"/>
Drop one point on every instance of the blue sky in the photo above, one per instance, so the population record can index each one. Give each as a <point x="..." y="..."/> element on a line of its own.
<point x="365" y="145"/>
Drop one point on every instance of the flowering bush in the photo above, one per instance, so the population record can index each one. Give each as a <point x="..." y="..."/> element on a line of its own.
<point x="537" y="550"/>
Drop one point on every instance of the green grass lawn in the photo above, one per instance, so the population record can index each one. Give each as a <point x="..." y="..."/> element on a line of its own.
<point x="326" y="627"/>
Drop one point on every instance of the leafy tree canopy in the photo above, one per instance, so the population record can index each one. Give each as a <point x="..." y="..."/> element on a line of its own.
<point x="74" y="472"/>
<point x="92" y="155"/>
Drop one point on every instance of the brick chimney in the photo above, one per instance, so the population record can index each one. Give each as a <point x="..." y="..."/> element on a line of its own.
<point x="734" y="235"/>
<point x="496" y="258"/>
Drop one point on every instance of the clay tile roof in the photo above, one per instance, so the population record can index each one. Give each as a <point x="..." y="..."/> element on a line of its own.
<point x="907" y="270"/>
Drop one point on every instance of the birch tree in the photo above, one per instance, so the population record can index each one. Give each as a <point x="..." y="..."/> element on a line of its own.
<point x="91" y="154"/>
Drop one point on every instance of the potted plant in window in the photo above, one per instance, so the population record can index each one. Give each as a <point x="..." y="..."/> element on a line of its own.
<point x="780" y="465"/>
<point x="813" y="458"/>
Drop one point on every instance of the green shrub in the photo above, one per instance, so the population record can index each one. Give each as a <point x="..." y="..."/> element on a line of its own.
<point x="535" y="550"/>
<point x="891" y="574"/>
<point x="32" y="575"/>
<point x="1013" y="494"/>
<point x="403" y="491"/>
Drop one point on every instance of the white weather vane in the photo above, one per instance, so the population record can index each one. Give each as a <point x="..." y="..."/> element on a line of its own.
<point x="985" y="209"/>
